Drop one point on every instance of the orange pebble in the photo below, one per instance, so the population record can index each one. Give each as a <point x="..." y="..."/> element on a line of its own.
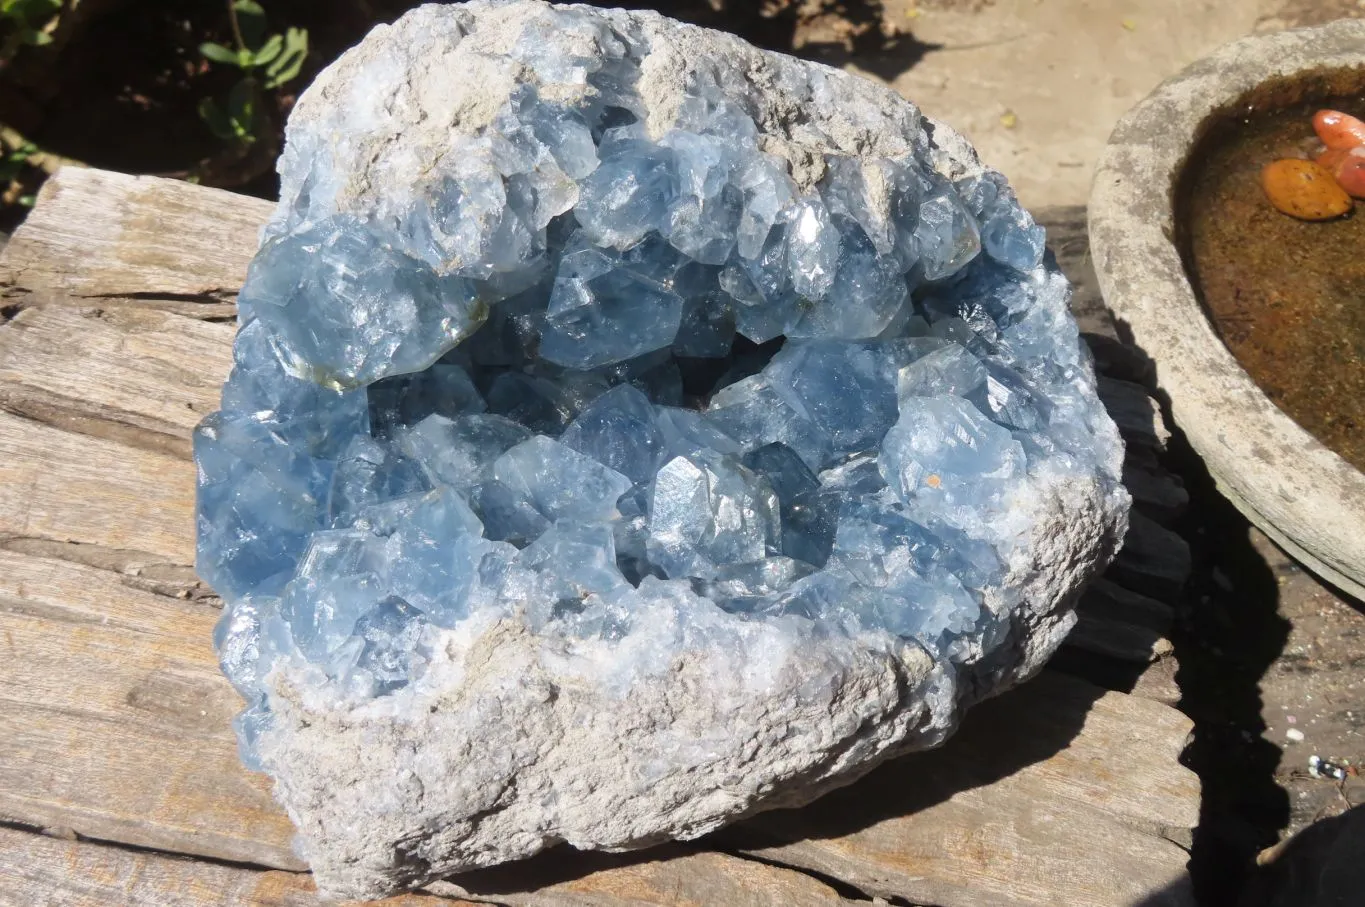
<point x="1329" y="159"/>
<point x="1350" y="173"/>
<point x="1338" y="130"/>
<point x="1304" y="190"/>
<point x="1347" y="167"/>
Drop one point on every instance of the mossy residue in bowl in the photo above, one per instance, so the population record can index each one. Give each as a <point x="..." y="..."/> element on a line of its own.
<point x="1286" y="296"/>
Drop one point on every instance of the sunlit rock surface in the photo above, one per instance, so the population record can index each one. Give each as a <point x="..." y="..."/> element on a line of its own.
<point x="630" y="430"/>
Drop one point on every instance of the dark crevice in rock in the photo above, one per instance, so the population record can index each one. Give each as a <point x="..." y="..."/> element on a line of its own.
<point x="14" y="299"/>
<point x="10" y="310"/>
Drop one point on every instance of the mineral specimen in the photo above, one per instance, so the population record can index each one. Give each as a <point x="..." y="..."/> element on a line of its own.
<point x="630" y="430"/>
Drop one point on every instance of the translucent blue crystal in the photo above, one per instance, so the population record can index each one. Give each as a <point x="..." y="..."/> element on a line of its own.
<point x="628" y="195"/>
<point x="603" y="311"/>
<point x="709" y="511"/>
<point x="753" y="409"/>
<point x="460" y="452"/>
<point x="944" y="453"/>
<point x="947" y="235"/>
<point x="619" y="430"/>
<point x="345" y="306"/>
<point x="601" y="360"/>
<point x="445" y="389"/>
<point x="808" y="518"/>
<point x="579" y="559"/>
<point x="847" y="390"/>
<point x="559" y="482"/>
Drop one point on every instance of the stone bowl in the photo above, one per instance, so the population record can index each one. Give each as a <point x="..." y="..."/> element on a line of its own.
<point x="1300" y="493"/>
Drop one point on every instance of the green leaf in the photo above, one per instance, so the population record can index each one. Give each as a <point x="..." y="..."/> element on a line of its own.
<point x="286" y="66"/>
<point x="219" y="54"/>
<point x="269" y="50"/>
<point x="34" y="37"/>
<point x="217" y="121"/>
<point x="30" y="12"/>
<point x="251" y="21"/>
<point x="28" y="201"/>
<point x="242" y="108"/>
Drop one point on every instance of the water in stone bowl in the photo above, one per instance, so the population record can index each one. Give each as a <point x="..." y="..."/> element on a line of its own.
<point x="1287" y="295"/>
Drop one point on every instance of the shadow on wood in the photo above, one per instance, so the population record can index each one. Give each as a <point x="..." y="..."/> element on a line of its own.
<point x="1227" y="634"/>
<point x="1321" y="866"/>
<point x="997" y="816"/>
<point x="996" y="740"/>
<point x="116" y="725"/>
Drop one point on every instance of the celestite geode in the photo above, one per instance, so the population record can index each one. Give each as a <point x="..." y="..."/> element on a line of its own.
<point x="630" y="430"/>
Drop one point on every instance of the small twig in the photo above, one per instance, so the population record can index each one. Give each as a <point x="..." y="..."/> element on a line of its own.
<point x="236" y="27"/>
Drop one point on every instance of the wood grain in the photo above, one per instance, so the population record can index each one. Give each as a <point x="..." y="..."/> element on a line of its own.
<point x="56" y="484"/>
<point x="1079" y="817"/>
<point x="114" y="721"/>
<point x="38" y="871"/>
<point x="96" y="235"/>
<point x="1154" y="561"/>
<point x="1121" y="624"/>
<point x="667" y="875"/>
<point x="130" y="368"/>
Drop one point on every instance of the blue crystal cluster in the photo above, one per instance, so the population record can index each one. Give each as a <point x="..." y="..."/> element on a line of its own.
<point x="589" y="368"/>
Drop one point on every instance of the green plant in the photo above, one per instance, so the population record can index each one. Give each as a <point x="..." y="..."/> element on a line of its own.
<point x="26" y="22"/>
<point x="13" y="168"/>
<point x="267" y="63"/>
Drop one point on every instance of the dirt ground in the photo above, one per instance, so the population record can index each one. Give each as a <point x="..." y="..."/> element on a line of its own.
<point x="1037" y="85"/>
<point x="1316" y="686"/>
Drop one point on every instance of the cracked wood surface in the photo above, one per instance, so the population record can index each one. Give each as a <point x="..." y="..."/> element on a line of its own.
<point x="114" y="721"/>
<point x="95" y="875"/>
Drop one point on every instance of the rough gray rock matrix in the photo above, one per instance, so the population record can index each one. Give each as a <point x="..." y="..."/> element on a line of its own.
<point x="525" y="727"/>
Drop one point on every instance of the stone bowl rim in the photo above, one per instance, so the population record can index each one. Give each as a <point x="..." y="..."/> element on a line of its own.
<point x="1299" y="492"/>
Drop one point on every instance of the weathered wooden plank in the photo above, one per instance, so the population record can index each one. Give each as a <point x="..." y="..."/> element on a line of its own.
<point x="1155" y="489"/>
<point x="1136" y="413"/>
<point x="1118" y="639"/>
<point x="115" y="722"/>
<point x="1158" y="682"/>
<point x="96" y="235"/>
<point x="1061" y="822"/>
<point x="1068" y="241"/>
<point x="1154" y="560"/>
<point x="666" y="875"/>
<point x="1121" y="624"/>
<point x="38" y="871"/>
<point x="121" y="366"/>
<point x="1107" y="599"/>
<point x="56" y="484"/>
<point x="101" y="680"/>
